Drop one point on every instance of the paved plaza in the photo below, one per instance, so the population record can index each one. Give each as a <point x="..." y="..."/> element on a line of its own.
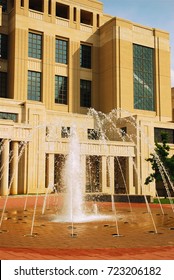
<point x="129" y="232"/>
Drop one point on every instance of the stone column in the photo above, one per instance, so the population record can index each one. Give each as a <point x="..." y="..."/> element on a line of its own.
<point x="129" y="175"/>
<point x="83" y="169"/>
<point x="45" y="7"/>
<point x="104" y="175"/>
<point x="0" y="15"/>
<point x="111" y="174"/>
<point x="14" y="169"/>
<point x="50" y="171"/>
<point x="5" y="168"/>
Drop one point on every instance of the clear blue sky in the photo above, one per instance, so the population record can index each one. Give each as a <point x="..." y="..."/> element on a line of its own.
<point x="153" y="13"/>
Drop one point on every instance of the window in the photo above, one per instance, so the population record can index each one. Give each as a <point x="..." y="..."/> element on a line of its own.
<point x="3" y="84"/>
<point x="3" y="46"/>
<point x="34" y="86"/>
<point x="86" y="17"/>
<point x="158" y="131"/>
<point x="49" y="7"/>
<point x="143" y="78"/>
<point x="85" y="93"/>
<point x="3" y="3"/>
<point x="36" y="5"/>
<point x="98" y="20"/>
<point x="123" y="131"/>
<point x="75" y="14"/>
<point x="22" y="3"/>
<point x="93" y="134"/>
<point x="61" y="90"/>
<point x="35" y="45"/>
<point x="85" y="56"/>
<point x="8" y="116"/>
<point x="61" y="51"/>
<point x="62" y="11"/>
<point x="65" y="132"/>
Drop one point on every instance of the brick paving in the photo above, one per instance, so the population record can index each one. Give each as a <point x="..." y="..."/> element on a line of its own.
<point x="91" y="240"/>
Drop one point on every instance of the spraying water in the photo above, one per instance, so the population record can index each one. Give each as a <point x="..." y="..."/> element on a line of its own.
<point x="73" y="202"/>
<point x="73" y="208"/>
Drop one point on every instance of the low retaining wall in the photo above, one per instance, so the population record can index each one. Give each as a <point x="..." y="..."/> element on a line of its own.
<point x="117" y="198"/>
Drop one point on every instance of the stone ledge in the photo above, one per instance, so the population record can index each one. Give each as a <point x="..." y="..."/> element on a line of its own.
<point x="117" y="198"/>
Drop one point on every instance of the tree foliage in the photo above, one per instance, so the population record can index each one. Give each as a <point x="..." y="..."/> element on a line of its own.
<point x="161" y="161"/>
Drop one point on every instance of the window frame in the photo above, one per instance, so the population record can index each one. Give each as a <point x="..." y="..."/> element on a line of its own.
<point x="61" y="50"/>
<point x="34" y="94"/>
<point x="143" y="78"/>
<point x="35" y="50"/>
<point x="9" y="116"/>
<point x="61" y="97"/>
<point x="65" y="131"/>
<point x="85" y="56"/>
<point x="168" y="131"/>
<point x="3" y="46"/>
<point x="4" y="6"/>
<point x="85" y="93"/>
<point x="3" y="84"/>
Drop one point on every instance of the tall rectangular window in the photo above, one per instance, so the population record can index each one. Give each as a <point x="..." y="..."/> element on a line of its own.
<point x="3" y="46"/>
<point x="75" y="14"/>
<point x="22" y="3"/>
<point x="61" y="51"/>
<point x="98" y="20"/>
<point x="61" y="90"/>
<point x="49" y="7"/>
<point x="34" y="86"/>
<point x="3" y="3"/>
<point x="35" y="45"/>
<point x="143" y="61"/>
<point x="85" y="93"/>
<point x="85" y="56"/>
<point x="3" y="84"/>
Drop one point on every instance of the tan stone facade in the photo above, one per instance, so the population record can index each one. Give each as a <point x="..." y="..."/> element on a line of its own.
<point x="33" y="147"/>
<point x="173" y="104"/>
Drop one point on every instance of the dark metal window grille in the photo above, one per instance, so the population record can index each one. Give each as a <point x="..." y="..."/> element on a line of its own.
<point x="85" y="56"/>
<point x="61" y="51"/>
<point x="61" y="89"/>
<point x="143" y="78"/>
<point x="8" y="116"/>
<point x="3" y="84"/>
<point x="34" y="85"/>
<point x="3" y="46"/>
<point x="85" y="93"/>
<point x="35" y="45"/>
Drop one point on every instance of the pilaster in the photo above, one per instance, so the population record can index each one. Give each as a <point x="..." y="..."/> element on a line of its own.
<point x="111" y="174"/>
<point x="83" y="169"/>
<point x="14" y="169"/>
<point x="104" y="174"/>
<point x="5" y="168"/>
<point x="129" y="175"/>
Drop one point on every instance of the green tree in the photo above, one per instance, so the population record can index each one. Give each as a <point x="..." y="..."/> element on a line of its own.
<point x="160" y="160"/>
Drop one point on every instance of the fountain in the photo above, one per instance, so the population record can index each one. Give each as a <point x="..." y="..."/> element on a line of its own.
<point x="86" y="218"/>
<point x="73" y="209"/>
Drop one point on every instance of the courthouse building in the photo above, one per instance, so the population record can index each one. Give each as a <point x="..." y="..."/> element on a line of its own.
<point x="59" y="58"/>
